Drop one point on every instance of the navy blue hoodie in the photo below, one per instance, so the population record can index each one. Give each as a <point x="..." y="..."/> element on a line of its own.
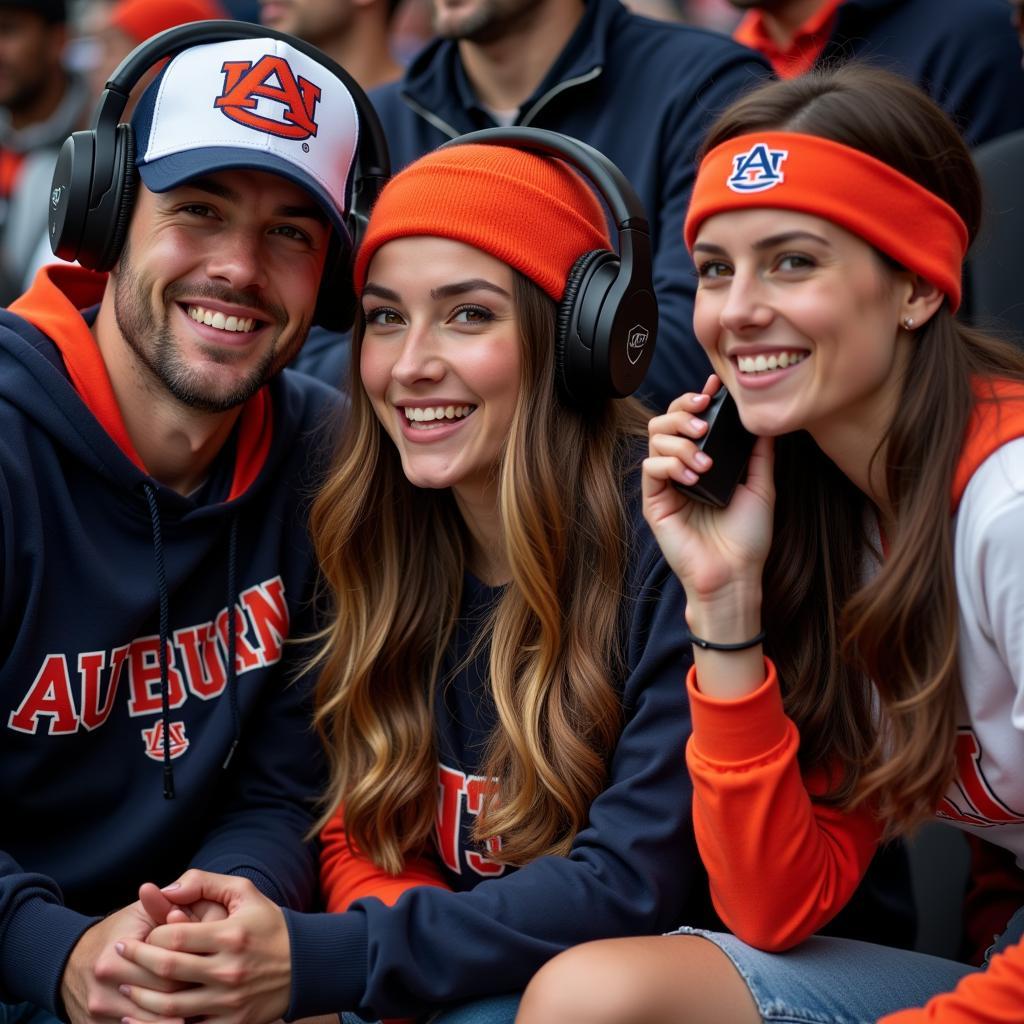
<point x="633" y="869"/>
<point x="643" y="93"/>
<point x="93" y="554"/>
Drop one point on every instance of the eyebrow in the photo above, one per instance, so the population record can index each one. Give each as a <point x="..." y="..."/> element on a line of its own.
<point x="311" y="211"/>
<point x="446" y="291"/>
<point x="770" y="242"/>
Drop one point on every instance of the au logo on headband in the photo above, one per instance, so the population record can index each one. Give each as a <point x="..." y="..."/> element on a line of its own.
<point x="757" y="169"/>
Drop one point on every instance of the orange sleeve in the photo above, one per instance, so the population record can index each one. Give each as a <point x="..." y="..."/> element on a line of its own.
<point x="346" y="875"/>
<point x="780" y="865"/>
<point x="993" y="996"/>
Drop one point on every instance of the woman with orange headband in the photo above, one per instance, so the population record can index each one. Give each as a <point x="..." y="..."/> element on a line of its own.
<point x="857" y="609"/>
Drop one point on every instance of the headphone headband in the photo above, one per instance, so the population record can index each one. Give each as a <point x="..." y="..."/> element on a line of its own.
<point x="608" y="317"/>
<point x="614" y="187"/>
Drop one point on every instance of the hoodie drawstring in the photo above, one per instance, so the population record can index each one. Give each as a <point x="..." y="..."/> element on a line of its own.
<point x="165" y="637"/>
<point x="232" y="641"/>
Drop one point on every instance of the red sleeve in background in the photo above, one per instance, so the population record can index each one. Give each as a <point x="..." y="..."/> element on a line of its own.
<point x="346" y="876"/>
<point x="995" y="892"/>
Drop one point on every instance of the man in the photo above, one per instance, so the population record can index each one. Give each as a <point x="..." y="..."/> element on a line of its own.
<point x="40" y="102"/>
<point x="642" y="92"/>
<point x="353" y="32"/>
<point x="154" y="470"/>
<point x="964" y="55"/>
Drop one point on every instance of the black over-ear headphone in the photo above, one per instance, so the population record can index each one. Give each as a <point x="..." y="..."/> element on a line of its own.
<point x="94" y="182"/>
<point x="608" y="317"/>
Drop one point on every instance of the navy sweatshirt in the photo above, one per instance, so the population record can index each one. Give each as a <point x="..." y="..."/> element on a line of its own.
<point x="642" y="92"/>
<point x="82" y="751"/>
<point x="633" y="869"/>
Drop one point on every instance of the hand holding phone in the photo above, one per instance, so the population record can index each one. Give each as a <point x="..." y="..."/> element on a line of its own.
<point x="716" y="541"/>
<point x="728" y="444"/>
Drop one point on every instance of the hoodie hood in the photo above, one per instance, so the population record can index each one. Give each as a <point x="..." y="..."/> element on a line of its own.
<point x="54" y="305"/>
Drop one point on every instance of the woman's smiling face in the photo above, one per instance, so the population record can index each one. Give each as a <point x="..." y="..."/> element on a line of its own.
<point x="800" y="319"/>
<point x="440" y="359"/>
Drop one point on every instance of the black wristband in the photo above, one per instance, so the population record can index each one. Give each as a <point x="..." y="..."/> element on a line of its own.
<point x="707" y="645"/>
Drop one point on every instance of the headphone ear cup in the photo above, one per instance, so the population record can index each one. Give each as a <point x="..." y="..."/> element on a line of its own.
<point x="574" y="369"/>
<point x="69" y="194"/>
<point x="124" y="186"/>
<point x="108" y="218"/>
<point x="336" y="300"/>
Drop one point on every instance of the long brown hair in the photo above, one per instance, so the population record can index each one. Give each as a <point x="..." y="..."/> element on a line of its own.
<point x="393" y="558"/>
<point x="829" y="631"/>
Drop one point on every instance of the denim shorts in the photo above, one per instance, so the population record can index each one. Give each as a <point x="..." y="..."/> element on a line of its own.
<point x="495" y="1010"/>
<point x="843" y="981"/>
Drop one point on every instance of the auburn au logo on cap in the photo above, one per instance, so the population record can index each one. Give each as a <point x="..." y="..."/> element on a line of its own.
<point x="248" y="103"/>
<point x="757" y="169"/>
<point x="271" y="78"/>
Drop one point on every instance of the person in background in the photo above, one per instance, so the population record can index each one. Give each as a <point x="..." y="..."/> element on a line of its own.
<point x="963" y="55"/>
<point x="126" y="23"/>
<point x="1017" y="20"/>
<point x="354" y="32"/>
<point x="41" y="102"/>
<point x="116" y="29"/>
<point x="857" y="607"/>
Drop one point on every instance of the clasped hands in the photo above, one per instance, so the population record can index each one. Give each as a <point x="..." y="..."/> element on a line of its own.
<point x="208" y="946"/>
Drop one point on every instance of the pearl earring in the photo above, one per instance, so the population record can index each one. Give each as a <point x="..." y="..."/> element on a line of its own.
<point x="908" y="322"/>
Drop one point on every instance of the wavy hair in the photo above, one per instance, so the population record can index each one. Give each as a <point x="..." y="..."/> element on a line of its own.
<point x="829" y="631"/>
<point x="392" y="559"/>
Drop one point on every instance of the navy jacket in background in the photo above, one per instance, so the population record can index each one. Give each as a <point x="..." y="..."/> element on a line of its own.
<point x="963" y="53"/>
<point x="643" y="92"/>
<point x="85" y="820"/>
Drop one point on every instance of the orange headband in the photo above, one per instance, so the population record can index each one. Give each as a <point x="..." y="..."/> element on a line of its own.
<point x="809" y="174"/>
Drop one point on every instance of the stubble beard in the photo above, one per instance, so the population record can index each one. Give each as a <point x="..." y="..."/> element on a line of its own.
<point x="489" y="22"/>
<point x="156" y="348"/>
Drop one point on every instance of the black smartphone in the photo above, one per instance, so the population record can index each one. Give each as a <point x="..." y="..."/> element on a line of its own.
<point x="729" y="445"/>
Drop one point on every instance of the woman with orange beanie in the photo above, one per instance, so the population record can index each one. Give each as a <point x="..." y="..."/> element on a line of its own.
<point x="501" y="690"/>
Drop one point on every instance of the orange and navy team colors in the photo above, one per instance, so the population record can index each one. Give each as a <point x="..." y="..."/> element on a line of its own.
<point x="780" y="862"/>
<point x="102" y="786"/>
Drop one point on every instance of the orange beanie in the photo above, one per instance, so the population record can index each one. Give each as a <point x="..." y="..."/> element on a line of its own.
<point x="529" y="211"/>
<point x="140" y="19"/>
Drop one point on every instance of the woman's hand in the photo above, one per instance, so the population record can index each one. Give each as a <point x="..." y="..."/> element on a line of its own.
<point x="718" y="554"/>
<point x="238" y="966"/>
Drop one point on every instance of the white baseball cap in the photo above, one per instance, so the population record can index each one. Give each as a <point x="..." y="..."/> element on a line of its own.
<point x="258" y="104"/>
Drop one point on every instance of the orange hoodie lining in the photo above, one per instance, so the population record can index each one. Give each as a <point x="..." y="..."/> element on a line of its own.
<point x="804" y="48"/>
<point x="53" y="303"/>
